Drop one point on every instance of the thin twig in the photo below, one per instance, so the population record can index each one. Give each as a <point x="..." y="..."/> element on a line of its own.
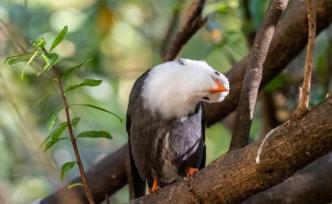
<point x="170" y="30"/>
<point x="73" y="139"/>
<point x="193" y="23"/>
<point x="253" y="76"/>
<point x="304" y="91"/>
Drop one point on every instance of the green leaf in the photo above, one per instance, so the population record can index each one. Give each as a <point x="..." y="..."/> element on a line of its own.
<point x="65" y="168"/>
<point x="95" y="134"/>
<point x="54" y="136"/>
<point x="19" y="58"/>
<point x="52" y="142"/>
<point x="75" y="121"/>
<point x="35" y="54"/>
<point x="73" y="185"/>
<point x="75" y="68"/>
<point x="58" y="39"/>
<point x="52" y="118"/>
<point x="42" y="99"/>
<point x="86" y="82"/>
<point x="99" y="108"/>
<point x="40" y="43"/>
<point x="50" y="60"/>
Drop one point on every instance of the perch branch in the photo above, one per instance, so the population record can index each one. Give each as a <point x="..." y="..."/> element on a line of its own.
<point x="236" y="175"/>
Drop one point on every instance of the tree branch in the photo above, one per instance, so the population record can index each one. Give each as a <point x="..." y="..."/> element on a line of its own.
<point x="193" y="23"/>
<point x="236" y="176"/>
<point x="253" y="76"/>
<point x="312" y="184"/>
<point x="288" y="37"/>
<point x="84" y="180"/>
<point x="170" y="29"/>
<point x="304" y="91"/>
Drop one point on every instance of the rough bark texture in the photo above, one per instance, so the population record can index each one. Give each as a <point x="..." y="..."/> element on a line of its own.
<point x="312" y="184"/>
<point x="236" y="176"/>
<point x="253" y="75"/>
<point x="288" y="41"/>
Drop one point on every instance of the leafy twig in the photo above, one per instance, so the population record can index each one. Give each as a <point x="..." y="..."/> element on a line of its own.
<point x="73" y="139"/>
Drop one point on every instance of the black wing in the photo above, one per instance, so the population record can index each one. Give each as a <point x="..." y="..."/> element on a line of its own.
<point x="136" y="183"/>
<point x="203" y="136"/>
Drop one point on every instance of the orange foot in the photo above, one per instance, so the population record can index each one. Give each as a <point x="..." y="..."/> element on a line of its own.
<point x="155" y="187"/>
<point x="191" y="171"/>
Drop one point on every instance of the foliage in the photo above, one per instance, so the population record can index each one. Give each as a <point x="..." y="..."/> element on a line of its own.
<point x="50" y="60"/>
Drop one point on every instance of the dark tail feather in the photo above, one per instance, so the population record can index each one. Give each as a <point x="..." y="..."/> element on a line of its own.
<point x="136" y="184"/>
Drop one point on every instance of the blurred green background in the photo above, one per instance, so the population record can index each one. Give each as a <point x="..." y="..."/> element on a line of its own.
<point x="123" y="39"/>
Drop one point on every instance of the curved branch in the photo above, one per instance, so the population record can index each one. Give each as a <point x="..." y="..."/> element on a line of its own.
<point x="253" y="75"/>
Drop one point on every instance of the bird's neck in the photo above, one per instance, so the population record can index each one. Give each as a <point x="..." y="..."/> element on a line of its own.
<point x="172" y="106"/>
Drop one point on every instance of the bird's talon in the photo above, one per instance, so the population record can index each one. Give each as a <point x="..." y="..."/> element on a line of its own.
<point x="191" y="171"/>
<point x="155" y="187"/>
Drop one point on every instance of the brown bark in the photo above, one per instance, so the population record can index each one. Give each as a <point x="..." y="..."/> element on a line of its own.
<point x="253" y="75"/>
<point x="288" y="41"/>
<point x="312" y="184"/>
<point x="236" y="176"/>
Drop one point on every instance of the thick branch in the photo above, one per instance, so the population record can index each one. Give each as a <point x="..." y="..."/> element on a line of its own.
<point x="312" y="184"/>
<point x="253" y="76"/>
<point x="236" y="175"/>
<point x="288" y="41"/>
<point x="193" y="23"/>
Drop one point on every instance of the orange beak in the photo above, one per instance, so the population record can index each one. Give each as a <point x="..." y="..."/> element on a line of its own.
<point x="218" y="88"/>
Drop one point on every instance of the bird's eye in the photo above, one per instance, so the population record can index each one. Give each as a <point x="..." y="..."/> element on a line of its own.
<point x="206" y="98"/>
<point x="217" y="73"/>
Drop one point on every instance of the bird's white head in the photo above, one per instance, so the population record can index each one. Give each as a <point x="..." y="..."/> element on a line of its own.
<point x="174" y="88"/>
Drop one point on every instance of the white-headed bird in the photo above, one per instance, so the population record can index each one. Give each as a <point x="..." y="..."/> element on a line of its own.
<point x="165" y="121"/>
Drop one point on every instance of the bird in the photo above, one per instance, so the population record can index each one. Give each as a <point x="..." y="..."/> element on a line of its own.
<point x="165" y="122"/>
